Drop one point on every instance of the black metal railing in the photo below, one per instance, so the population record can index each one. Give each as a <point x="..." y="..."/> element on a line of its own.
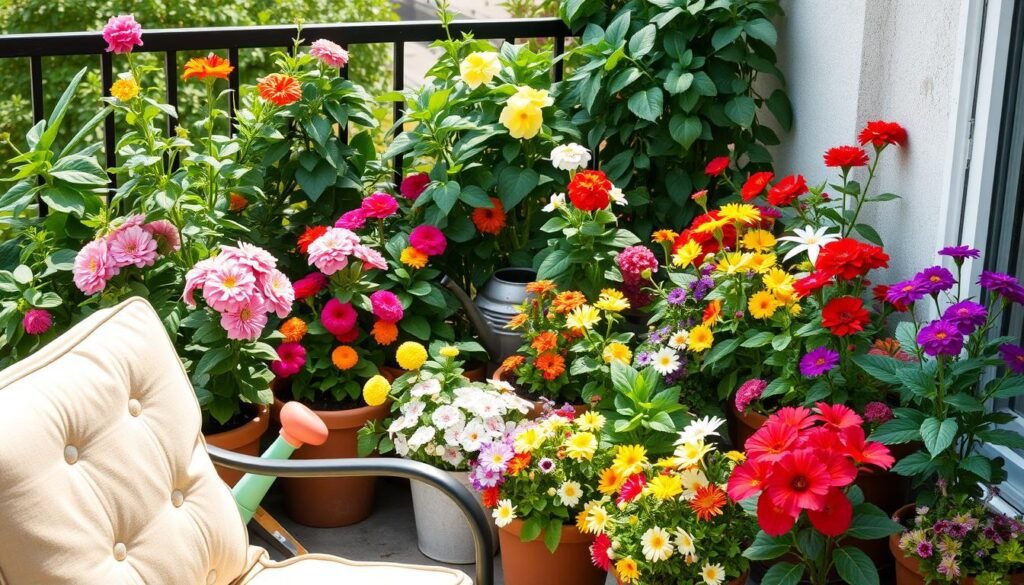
<point x="172" y="41"/>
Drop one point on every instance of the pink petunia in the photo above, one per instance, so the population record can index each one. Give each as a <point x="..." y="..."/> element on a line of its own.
<point x="245" y="320"/>
<point x="166" y="235"/>
<point x="386" y="306"/>
<point x="229" y="285"/>
<point x="330" y="252"/>
<point x="329" y="52"/>
<point x="371" y="258"/>
<point x="122" y="34"/>
<point x="428" y="239"/>
<point x="133" y="246"/>
<point x="93" y="267"/>
<point x="277" y="291"/>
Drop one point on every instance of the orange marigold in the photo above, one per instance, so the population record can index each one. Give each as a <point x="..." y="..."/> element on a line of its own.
<point x="518" y="463"/>
<point x="550" y="364"/>
<point x="413" y="258"/>
<point x="384" y="332"/>
<point x="294" y="330"/>
<point x="490" y="220"/>
<point x="567" y="301"/>
<point x="663" y="236"/>
<point x="713" y="312"/>
<point x="237" y="202"/>
<point x="545" y="341"/>
<point x="517" y="321"/>
<point x="209" y="66"/>
<point x="540" y="287"/>
<point x="512" y="362"/>
<point x="708" y="502"/>
<point x="280" y="89"/>
<point x="344" y="357"/>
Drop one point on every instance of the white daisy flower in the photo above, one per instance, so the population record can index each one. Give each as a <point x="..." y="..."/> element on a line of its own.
<point x="657" y="544"/>
<point x="665" y="361"/>
<point x="684" y="542"/>
<point x="556" y="202"/>
<point x="471" y="436"/>
<point x="808" y="240"/>
<point x="501" y="385"/>
<point x="570" y="493"/>
<point x="616" y="196"/>
<point x="504" y="513"/>
<point x="570" y="157"/>
<point x="713" y="574"/>
<point x="678" y="340"/>
<point x="700" y="429"/>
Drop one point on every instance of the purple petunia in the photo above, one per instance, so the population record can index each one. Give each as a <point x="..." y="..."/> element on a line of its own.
<point x="818" y="361"/>
<point x="1013" y="355"/>
<point x="966" y="315"/>
<point x="677" y="296"/>
<point x="959" y="253"/>
<point x="940" y="338"/>
<point x="935" y="279"/>
<point x="643" y="358"/>
<point x="906" y="292"/>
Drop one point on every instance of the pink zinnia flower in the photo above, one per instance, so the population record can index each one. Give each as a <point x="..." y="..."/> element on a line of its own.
<point x="330" y="251"/>
<point x="750" y="391"/>
<point x="133" y="246"/>
<point x="37" y="321"/>
<point x="634" y="261"/>
<point x="93" y="267"/>
<point x="246" y="254"/>
<point x="278" y="292"/>
<point x="166" y="235"/>
<point x="329" y="52"/>
<point x="352" y="220"/>
<point x="877" y="412"/>
<point x="246" y="320"/>
<point x="127" y="222"/>
<point x="386" y="306"/>
<point x="379" y="206"/>
<point x="196" y="278"/>
<point x="428" y="239"/>
<point x="122" y="34"/>
<point x="290" y="358"/>
<point x="371" y="258"/>
<point x="229" y="285"/>
<point x="309" y="285"/>
<point x="414" y="184"/>
<point x="338" y="318"/>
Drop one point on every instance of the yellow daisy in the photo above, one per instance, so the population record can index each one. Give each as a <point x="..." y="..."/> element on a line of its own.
<point x="591" y="421"/>
<point x="662" y="236"/>
<point x="761" y="262"/>
<point x="665" y="487"/>
<point x="616" y="351"/>
<point x="740" y="213"/>
<point x="612" y="300"/>
<point x="762" y="305"/>
<point x="734" y="262"/>
<point x="581" y="445"/>
<point x="609" y="481"/>
<point x="629" y="459"/>
<point x="686" y="254"/>
<point x="583" y="317"/>
<point x="701" y="338"/>
<point x="758" y="240"/>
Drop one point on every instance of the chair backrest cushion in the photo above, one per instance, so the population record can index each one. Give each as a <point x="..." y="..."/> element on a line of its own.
<point x="104" y="476"/>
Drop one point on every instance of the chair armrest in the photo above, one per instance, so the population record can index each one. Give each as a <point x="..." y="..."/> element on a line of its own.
<point x="380" y="467"/>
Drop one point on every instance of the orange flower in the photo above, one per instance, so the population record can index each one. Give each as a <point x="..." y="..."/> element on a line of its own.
<point x="540" y="287"/>
<point x="384" y="332"/>
<point x="567" y="301"/>
<point x="237" y="202"/>
<point x="294" y="330"/>
<point x="571" y="335"/>
<point x="512" y="362"/>
<point x="344" y="357"/>
<point x="309" y="236"/>
<point x="713" y="313"/>
<point x="517" y="321"/>
<point x="413" y="258"/>
<point x="550" y="364"/>
<point x="490" y="221"/>
<point x="209" y="66"/>
<point x="708" y="502"/>
<point x="545" y="341"/>
<point x="519" y="462"/>
<point x="491" y="496"/>
<point x="663" y="236"/>
<point x="280" y="89"/>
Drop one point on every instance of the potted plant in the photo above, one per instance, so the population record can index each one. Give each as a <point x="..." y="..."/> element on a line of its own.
<point x="442" y="418"/>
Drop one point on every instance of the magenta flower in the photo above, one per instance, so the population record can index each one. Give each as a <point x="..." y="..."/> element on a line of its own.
<point x="166" y="235"/>
<point x="277" y="291"/>
<point x="93" y="267"/>
<point x="386" y="306"/>
<point x="379" y="206"/>
<point x="818" y="361"/>
<point x="1002" y="284"/>
<point x="352" y="220"/>
<point x="309" y="285"/>
<point x="329" y="52"/>
<point x="133" y="246"/>
<point x="634" y="261"/>
<point x="935" y="279"/>
<point x="290" y="358"/>
<point x="245" y="320"/>
<point x="37" y="321"/>
<point x="750" y="391"/>
<point x="122" y="34"/>
<point x="877" y="412"/>
<point x="414" y="184"/>
<point x="330" y="252"/>
<point x="338" y="318"/>
<point x="428" y="239"/>
<point x="1013" y="355"/>
<point x="966" y="315"/>
<point x="940" y="338"/>
<point x="229" y="285"/>
<point x="906" y="293"/>
<point x="959" y="253"/>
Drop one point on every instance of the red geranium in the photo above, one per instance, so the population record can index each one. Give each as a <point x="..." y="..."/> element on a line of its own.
<point x="716" y="166"/>
<point x="846" y="157"/>
<point x="880" y="134"/>
<point x="812" y="282"/>
<point x="787" y="190"/>
<point x="589" y="190"/>
<point x="844" y="316"/>
<point x="755" y="185"/>
<point x="849" y="259"/>
<point x="707" y="241"/>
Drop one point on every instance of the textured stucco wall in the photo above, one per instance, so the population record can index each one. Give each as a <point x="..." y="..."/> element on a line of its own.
<point x="849" y="61"/>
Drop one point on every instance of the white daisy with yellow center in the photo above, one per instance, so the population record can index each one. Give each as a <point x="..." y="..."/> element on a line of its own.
<point x="657" y="544"/>
<point x="665" y="361"/>
<point x="713" y="574"/>
<point x="504" y="513"/>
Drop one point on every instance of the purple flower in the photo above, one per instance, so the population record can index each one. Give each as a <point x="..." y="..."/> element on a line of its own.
<point x="877" y="413"/>
<point x="677" y="296"/>
<point x="546" y="465"/>
<point x="643" y="358"/>
<point x="958" y="531"/>
<point x="966" y="315"/>
<point x="482" y="479"/>
<point x="818" y="361"/>
<point x="906" y="292"/>
<point x="924" y="549"/>
<point x="1013" y="355"/>
<point x="940" y="338"/>
<point x="701" y="287"/>
<point x="750" y="391"/>
<point x="495" y="457"/>
<point x="949" y="567"/>
<point x="959" y="253"/>
<point x="1002" y="284"/>
<point x="935" y="279"/>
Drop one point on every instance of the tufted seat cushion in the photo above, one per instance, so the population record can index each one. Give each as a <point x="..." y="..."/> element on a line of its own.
<point x="314" y="568"/>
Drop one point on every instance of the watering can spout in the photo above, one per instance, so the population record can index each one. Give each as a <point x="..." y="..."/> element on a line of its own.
<point x="476" y="318"/>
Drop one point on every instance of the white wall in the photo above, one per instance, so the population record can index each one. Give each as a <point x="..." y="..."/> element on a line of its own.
<point x="850" y="61"/>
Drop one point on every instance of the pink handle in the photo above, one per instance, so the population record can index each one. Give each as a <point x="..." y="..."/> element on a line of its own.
<point x="299" y="425"/>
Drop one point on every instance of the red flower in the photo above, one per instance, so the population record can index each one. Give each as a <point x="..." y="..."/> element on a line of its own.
<point x="787" y="190"/>
<point x="309" y="285"/>
<point x="797" y="417"/>
<point x="707" y="241"/>
<point x="490" y="220"/>
<point x="413" y="185"/>
<point x="812" y="282"/>
<point x="490" y="496"/>
<point x="836" y="416"/>
<point x="867" y="452"/>
<point x="755" y="185"/>
<point x="280" y="89"/>
<point x="849" y="259"/>
<point x="774" y="520"/>
<point x="716" y="166"/>
<point x="631" y="488"/>
<point x="880" y="293"/>
<point x="881" y="133"/>
<point x="599" y="552"/>
<point x="747" y="479"/>
<point x="309" y="236"/>
<point x="588" y="190"/>
<point x="841" y="471"/>
<point x="348" y="336"/>
<point x="835" y="517"/>
<point x="844" y="316"/>
<point x="798" y="482"/>
<point x="846" y="157"/>
<point x="771" y="442"/>
<point x="708" y="502"/>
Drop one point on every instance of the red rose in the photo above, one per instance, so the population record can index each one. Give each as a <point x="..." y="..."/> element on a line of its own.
<point x="588" y="190"/>
<point x="880" y="134"/>
<point x="413" y="185"/>
<point x="846" y="157"/>
<point x="716" y="166"/>
<point x="755" y="184"/>
<point x="787" y="190"/>
<point x="707" y="241"/>
<point x="849" y="259"/>
<point x="812" y="282"/>
<point x="844" y="316"/>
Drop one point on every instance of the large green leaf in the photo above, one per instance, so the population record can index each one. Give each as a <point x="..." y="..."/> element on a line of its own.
<point x="514" y="184"/>
<point x="783" y="574"/>
<point x="763" y="30"/>
<point x="740" y="110"/>
<point x="766" y="548"/>
<point x="446" y="195"/>
<point x="870" y="522"/>
<point x="854" y="566"/>
<point x="897" y="431"/>
<point x="684" y="129"/>
<point x="643" y="41"/>
<point x="647" y="104"/>
<point x="938" y="435"/>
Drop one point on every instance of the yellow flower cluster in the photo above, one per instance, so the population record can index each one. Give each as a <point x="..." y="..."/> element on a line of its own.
<point x="411" y="355"/>
<point x="125" y="89"/>
<point x="523" y="115"/>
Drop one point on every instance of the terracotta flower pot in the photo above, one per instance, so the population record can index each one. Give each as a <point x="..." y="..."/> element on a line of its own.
<point x="742" y="425"/>
<point x="334" y="501"/>
<point x="538" y="407"/>
<point x="530" y="563"/>
<point x="244" y="439"/>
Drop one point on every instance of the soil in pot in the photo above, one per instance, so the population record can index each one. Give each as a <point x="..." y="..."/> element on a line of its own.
<point x="242" y="435"/>
<point x="442" y="530"/>
<point x="530" y="563"/>
<point x="538" y="407"/>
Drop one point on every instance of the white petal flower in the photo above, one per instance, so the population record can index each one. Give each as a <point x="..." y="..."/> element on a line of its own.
<point x="570" y="157"/>
<point x="570" y="493"/>
<point x="401" y="445"/>
<point x="471" y="436"/>
<point x="665" y="361"/>
<point x="808" y="240"/>
<point x="446" y="416"/>
<point x="700" y="429"/>
<point x="616" y="196"/>
<point x="422" y="436"/>
<point x="657" y="544"/>
<point x="504" y="513"/>
<point x="413" y="409"/>
<point x="557" y="201"/>
<point x="429" y="387"/>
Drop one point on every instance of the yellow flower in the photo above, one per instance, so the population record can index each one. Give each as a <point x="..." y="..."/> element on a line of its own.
<point x="479" y="68"/>
<point x="629" y="459"/>
<point x="762" y="305"/>
<point x="758" y="240"/>
<point x="701" y="338"/>
<point x="581" y="445"/>
<point x="583" y="317"/>
<point x="627" y="570"/>
<point x="609" y="481"/>
<point x="528" y="439"/>
<point x="795" y="309"/>
<point x="449" y="351"/>
<point x="777" y="278"/>
<point x="740" y="213"/>
<point x="665" y="487"/>
<point x="597" y="520"/>
<point x="616" y="351"/>
<point x="734" y="262"/>
<point x="411" y="355"/>
<point x="761" y="262"/>
<point x="691" y="453"/>
<point x="667" y="463"/>
<point x="612" y="300"/>
<point x="375" y="391"/>
<point x="736" y="456"/>
<point x="591" y="421"/>
<point x="125" y="89"/>
<point x="686" y="254"/>
<point x="711" y="226"/>
<point x="663" y="236"/>
<point x="522" y="114"/>
<point x="537" y="97"/>
<point x="413" y="258"/>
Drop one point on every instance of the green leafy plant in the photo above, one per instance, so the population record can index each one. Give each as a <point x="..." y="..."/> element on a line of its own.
<point x="644" y="409"/>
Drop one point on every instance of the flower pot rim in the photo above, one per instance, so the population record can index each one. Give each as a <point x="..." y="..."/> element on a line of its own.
<point x="245" y="434"/>
<point x="570" y="534"/>
<point x="351" y="418"/>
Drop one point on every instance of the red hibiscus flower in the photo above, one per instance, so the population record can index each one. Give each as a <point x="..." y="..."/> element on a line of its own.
<point x="836" y="515"/>
<point x="844" y="316"/>
<point x="716" y="166"/>
<point x="800" y="481"/>
<point x="846" y="157"/>
<point x="812" y="282"/>
<point x="849" y="259"/>
<point x="588" y="190"/>
<point x="755" y="185"/>
<point x="881" y="134"/>
<point x="787" y="190"/>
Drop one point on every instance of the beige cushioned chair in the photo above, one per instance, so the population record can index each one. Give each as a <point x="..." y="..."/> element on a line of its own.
<point x="105" y="477"/>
